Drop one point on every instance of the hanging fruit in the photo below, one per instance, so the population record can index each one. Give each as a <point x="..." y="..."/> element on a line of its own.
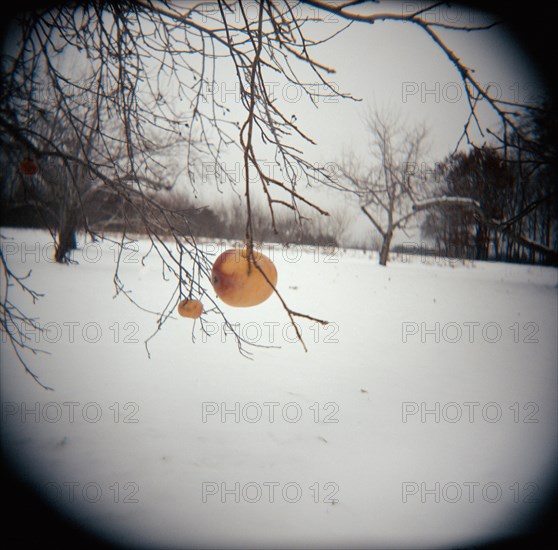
<point x="238" y="282"/>
<point x="190" y="308"/>
<point x="28" y="167"/>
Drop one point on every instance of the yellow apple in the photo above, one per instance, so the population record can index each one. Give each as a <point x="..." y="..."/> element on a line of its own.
<point x="238" y="282"/>
<point x="190" y="308"/>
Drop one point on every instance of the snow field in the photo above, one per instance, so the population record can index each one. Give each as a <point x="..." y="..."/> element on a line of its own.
<point x="423" y="416"/>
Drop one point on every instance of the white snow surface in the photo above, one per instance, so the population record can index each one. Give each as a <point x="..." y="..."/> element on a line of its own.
<point x="365" y="448"/>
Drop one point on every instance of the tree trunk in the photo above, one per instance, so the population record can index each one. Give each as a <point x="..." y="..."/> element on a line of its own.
<point x="66" y="237"/>
<point x="481" y="252"/>
<point x="384" y="251"/>
<point x="495" y="240"/>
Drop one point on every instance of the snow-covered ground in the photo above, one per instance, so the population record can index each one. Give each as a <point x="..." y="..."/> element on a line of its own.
<point x="423" y="416"/>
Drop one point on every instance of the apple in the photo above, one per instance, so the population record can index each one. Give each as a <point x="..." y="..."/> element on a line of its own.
<point x="28" y="167"/>
<point x="190" y="308"/>
<point x="238" y="282"/>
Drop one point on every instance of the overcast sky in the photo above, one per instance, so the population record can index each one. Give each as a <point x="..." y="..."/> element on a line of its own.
<point x="396" y="65"/>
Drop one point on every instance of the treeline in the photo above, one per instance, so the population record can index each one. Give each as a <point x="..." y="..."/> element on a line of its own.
<point x="516" y="214"/>
<point x="27" y="203"/>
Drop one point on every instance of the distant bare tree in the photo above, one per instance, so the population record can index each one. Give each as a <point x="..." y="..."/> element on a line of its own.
<point x="392" y="180"/>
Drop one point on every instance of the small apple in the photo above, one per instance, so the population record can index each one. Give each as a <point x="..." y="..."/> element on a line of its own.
<point x="28" y="167"/>
<point x="238" y="282"/>
<point x="190" y="308"/>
